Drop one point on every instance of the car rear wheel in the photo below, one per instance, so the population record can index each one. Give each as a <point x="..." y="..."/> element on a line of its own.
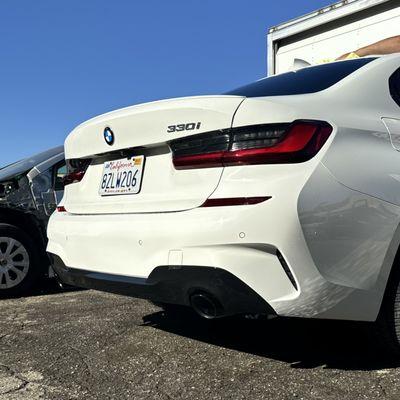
<point x="388" y="322"/>
<point x="18" y="261"/>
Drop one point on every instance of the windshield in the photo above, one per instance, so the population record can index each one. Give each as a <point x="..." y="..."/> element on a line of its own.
<point x="306" y="80"/>
<point x="26" y="164"/>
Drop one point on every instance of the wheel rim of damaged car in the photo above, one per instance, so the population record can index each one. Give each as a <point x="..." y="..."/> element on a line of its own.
<point x="14" y="262"/>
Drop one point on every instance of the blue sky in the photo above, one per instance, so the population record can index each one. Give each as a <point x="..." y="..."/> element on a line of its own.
<point x="63" y="62"/>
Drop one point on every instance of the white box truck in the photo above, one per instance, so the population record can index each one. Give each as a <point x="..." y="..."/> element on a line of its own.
<point x="330" y="32"/>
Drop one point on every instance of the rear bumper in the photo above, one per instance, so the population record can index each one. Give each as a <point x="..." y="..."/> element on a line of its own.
<point x="134" y="245"/>
<point x="172" y="285"/>
<point x="140" y="255"/>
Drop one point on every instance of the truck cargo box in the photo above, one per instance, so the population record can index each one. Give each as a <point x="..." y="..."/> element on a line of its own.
<point x="331" y="31"/>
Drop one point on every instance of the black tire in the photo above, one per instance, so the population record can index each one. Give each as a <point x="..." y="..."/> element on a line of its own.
<point x="387" y="326"/>
<point x="30" y="276"/>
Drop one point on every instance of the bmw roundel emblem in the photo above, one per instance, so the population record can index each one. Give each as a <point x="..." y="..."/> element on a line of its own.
<point x="109" y="136"/>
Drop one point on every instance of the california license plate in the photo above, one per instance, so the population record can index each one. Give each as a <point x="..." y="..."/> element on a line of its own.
<point x="122" y="176"/>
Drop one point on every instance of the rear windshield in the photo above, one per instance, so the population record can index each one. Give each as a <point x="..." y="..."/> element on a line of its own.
<point x="306" y="80"/>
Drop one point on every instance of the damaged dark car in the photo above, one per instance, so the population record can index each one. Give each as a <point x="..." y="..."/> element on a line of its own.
<point x="29" y="192"/>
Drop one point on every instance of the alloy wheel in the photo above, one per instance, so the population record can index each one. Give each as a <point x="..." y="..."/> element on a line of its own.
<point x="14" y="262"/>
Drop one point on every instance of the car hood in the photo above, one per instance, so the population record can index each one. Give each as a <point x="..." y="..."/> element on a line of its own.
<point x="23" y="166"/>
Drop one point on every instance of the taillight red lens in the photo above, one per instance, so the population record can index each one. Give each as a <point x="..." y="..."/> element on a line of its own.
<point x="262" y="144"/>
<point x="209" y="160"/>
<point x="76" y="170"/>
<point x="74" y="177"/>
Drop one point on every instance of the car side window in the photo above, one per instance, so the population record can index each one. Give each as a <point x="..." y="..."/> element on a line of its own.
<point x="59" y="174"/>
<point x="394" y="85"/>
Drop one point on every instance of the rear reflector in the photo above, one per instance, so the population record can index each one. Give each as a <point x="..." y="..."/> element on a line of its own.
<point x="257" y="144"/>
<point x="234" y="201"/>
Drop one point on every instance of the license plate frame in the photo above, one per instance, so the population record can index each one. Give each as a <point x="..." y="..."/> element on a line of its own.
<point x="119" y="175"/>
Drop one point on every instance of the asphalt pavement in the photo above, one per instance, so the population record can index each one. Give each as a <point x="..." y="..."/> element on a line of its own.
<point x="92" y="345"/>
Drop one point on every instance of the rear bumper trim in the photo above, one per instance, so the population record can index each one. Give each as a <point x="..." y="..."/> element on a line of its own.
<point x="171" y="285"/>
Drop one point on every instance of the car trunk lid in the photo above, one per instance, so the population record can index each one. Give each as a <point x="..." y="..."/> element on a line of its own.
<point x="141" y="135"/>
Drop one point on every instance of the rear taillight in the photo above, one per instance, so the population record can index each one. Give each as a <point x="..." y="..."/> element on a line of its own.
<point x="76" y="170"/>
<point x="257" y="144"/>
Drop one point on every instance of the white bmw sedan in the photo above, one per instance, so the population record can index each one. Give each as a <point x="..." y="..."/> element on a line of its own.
<point x="281" y="197"/>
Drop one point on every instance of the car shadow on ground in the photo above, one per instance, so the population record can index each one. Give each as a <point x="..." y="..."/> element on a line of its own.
<point x="44" y="288"/>
<point x="299" y="342"/>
